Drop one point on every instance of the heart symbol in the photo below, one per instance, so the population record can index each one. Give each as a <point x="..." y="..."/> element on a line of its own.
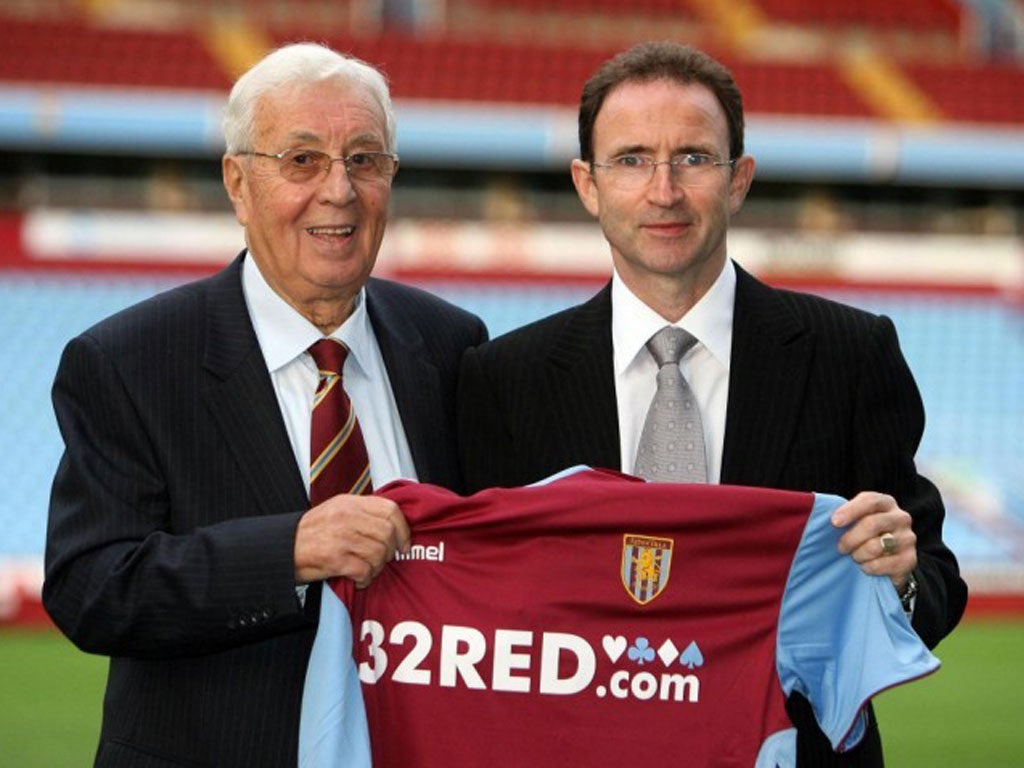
<point x="614" y="646"/>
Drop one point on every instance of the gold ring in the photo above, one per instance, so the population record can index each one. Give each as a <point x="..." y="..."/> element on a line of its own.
<point x="888" y="542"/>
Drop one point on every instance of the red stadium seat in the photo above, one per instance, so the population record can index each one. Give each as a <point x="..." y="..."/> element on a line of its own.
<point x="581" y="7"/>
<point x="920" y="15"/>
<point x="535" y="72"/>
<point x="796" y="89"/>
<point x="70" y="52"/>
<point x="974" y="93"/>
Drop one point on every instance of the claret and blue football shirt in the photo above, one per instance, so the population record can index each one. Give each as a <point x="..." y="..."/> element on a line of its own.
<point x="600" y="620"/>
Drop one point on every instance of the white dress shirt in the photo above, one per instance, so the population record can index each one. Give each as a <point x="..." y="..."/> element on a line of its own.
<point x="284" y="336"/>
<point x="705" y="365"/>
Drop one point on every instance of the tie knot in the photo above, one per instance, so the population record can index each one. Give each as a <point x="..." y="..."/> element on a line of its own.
<point x="669" y="345"/>
<point x="329" y="355"/>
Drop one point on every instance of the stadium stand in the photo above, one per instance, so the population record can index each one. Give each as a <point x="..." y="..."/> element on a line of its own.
<point x="919" y="16"/>
<point x="816" y="68"/>
<point x="477" y="64"/>
<point x="979" y="93"/>
<point x="613" y="8"/>
<point x="797" y="89"/>
<point x="68" y="52"/>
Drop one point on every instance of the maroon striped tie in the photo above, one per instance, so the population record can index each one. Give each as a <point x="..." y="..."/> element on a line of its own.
<point x="338" y="460"/>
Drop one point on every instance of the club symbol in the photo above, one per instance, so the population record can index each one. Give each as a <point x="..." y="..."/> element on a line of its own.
<point x="641" y="651"/>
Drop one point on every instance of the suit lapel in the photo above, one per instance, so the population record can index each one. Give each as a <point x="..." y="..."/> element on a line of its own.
<point x="580" y="384"/>
<point x="241" y="400"/>
<point x="771" y="355"/>
<point x="416" y="384"/>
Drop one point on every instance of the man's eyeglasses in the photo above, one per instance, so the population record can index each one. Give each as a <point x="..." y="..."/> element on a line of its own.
<point x="300" y="165"/>
<point x="693" y="169"/>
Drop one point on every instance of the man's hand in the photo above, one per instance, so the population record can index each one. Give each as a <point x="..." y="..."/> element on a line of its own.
<point x="350" y="536"/>
<point x="880" y="537"/>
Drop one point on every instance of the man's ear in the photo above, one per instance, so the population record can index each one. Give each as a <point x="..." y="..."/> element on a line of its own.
<point x="234" y="183"/>
<point x="739" y="184"/>
<point x="585" y="187"/>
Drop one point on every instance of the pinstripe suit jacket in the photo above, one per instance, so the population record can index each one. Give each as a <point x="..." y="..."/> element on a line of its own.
<point x="173" y="514"/>
<point x="820" y="399"/>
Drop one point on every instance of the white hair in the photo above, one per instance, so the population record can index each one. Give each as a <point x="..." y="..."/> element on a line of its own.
<point x="299" y="63"/>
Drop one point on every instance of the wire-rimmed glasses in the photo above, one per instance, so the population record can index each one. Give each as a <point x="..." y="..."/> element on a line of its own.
<point x="302" y="165"/>
<point x="692" y="169"/>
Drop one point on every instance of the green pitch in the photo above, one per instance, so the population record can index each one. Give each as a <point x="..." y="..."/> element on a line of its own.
<point x="51" y="696"/>
<point x="969" y="714"/>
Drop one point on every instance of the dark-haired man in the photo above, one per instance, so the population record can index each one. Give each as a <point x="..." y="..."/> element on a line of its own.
<point x="792" y="391"/>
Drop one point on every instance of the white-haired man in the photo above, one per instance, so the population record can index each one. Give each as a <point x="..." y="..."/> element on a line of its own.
<point x="182" y="535"/>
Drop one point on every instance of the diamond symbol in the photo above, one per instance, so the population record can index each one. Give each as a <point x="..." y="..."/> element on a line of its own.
<point x="668" y="653"/>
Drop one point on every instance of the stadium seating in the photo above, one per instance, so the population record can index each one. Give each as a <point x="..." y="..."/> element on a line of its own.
<point x="920" y="15"/>
<point x="796" y="89"/>
<point x="974" y="93"/>
<point x="611" y="7"/>
<point x="956" y="344"/>
<point x="66" y="51"/>
<point x="418" y="67"/>
<point x="475" y="71"/>
<point x="491" y="68"/>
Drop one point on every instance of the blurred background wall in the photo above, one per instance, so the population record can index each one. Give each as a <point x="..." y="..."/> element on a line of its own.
<point x="889" y="138"/>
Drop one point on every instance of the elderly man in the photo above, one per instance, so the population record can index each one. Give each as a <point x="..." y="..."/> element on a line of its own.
<point x="198" y="502"/>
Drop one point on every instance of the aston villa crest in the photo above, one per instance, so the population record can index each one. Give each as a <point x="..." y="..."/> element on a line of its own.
<point x="645" y="566"/>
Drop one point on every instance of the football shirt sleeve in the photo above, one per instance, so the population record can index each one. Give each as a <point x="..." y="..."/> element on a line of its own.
<point x="333" y="728"/>
<point x="843" y="635"/>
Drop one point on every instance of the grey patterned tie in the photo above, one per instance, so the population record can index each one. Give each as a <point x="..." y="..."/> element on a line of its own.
<point x="672" y="442"/>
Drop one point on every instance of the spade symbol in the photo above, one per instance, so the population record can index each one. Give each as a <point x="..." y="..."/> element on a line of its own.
<point x="692" y="657"/>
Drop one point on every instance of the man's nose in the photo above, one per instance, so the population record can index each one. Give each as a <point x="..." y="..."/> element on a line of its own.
<point x="336" y="185"/>
<point x="664" y="188"/>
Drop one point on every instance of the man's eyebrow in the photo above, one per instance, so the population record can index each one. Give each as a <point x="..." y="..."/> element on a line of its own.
<point x="302" y="137"/>
<point x="686" y="149"/>
<point x="695" y="149"/>
<point x="632" y="149"/>
<point x="366" y="140"/>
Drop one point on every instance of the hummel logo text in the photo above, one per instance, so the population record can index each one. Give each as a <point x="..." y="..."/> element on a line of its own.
<point x="433" y="552"/>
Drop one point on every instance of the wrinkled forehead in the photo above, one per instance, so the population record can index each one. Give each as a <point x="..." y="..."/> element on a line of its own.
<point x="328" y="113"/>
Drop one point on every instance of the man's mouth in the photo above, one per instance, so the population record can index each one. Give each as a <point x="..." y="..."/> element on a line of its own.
<point x="667" y="226"/>
<point x="331" y="231"/>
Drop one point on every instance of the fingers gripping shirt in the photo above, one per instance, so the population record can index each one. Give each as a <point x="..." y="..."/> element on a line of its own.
<point x="598" y="620"/>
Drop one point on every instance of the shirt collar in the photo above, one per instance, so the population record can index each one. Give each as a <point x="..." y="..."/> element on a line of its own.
<point x="284" y="334"/>
<point x="709" y="320"/>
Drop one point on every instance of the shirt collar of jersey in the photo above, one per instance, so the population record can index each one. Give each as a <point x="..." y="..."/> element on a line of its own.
<point x="710" y="320"/>
<point x="284" y="334"/>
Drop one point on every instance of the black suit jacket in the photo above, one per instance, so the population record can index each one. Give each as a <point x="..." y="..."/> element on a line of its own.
<point x="173" y="514"/>
<point x="820" y="399"/>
